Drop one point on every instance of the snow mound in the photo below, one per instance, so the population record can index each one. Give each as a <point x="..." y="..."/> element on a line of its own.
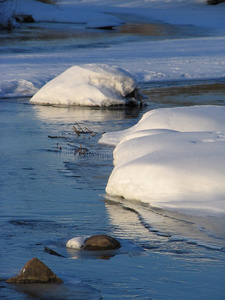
<point x="193" y="118"/>
<point x="17" y="88"/>
<point x="173" y="158"/>
<point x="76" y="242"/>
<point x="89" y="85"/>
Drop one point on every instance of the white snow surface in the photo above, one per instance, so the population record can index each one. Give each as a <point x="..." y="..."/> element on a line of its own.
<point x="76" y="242"/>
<point x="87" y="85"/>
<point x="22" y="74"/>
<point x="194" y="12"/>
<point x="174" y="158"/>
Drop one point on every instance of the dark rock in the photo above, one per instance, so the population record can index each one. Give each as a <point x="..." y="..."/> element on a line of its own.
<point x="214" y="2"/>
<point x="101" y="242"/>
<point x="134" y="97"/>
<point x="24" y="18"/>
<point x="35" y="271"/>
<point x="52" y="252"/>
<point x="101" y="27"/>
<point x="136" y="93"/>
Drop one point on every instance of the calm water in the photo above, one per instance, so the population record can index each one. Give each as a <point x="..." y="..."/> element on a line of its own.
<point x="49" y="194"/>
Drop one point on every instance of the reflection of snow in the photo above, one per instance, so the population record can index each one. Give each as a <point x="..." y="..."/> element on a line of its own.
<point x="154" y="227"/>
<point x="70" y="115"/>
<point x="173" y="158"/>
<point x="125" y="221"/>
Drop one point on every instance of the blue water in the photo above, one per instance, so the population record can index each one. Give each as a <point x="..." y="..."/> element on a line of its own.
<point x="50" y="194"/>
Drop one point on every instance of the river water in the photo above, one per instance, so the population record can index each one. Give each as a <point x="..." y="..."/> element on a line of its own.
<point x="52" y="190"/>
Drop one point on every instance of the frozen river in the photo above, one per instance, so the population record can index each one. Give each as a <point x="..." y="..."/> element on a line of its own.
<point x="49" y="193"/>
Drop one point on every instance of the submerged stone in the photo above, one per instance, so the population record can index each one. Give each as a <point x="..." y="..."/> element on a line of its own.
<point x="35" y="271"/>
<point x="101" y="242"/>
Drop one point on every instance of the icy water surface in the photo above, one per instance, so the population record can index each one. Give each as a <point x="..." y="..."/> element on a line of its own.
<point x="42" y="37"/>
<point x="52" y="188"/>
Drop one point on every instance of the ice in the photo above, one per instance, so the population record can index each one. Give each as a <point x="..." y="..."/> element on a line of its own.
<point x="88" y="85"/>
<point x="174" y="158"/>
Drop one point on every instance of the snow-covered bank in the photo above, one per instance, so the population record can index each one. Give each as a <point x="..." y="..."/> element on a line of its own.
<point x="147" y="61"/>
<point x="22" y="73"/>
<point x="90" y="85"/>
<point x="173" y="158"/>
<point x="68" y="12"/>
<point x="95" y="12"/>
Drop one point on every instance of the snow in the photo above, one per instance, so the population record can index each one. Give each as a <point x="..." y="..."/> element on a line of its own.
<point x="15" y="88"/>
<point x="5" y="14"/>
<point x="186" y="119"/>
<point x="76" y="242"/>
<point x="173" y="158"/>
<point x="147" y="61"/>
<point x="68" y="12"/>
<point x="194" y="12"/>
<point x="88" y="85"/>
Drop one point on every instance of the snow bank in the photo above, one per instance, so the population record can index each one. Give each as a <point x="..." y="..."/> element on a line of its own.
<point x="77" y="12"/>
<point x="186" y="119"/>
<point x="16" y="88"/>
<point x="89" y="85"/>
<point x="94" y="13"/>
<point x="163" y="60"/>
<point x="173" y="158"/>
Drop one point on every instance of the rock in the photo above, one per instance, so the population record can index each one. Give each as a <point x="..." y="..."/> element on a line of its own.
<point x="24" y="18"/>
<point x="101" y="242"/>
<point x="35" y="271"/>
<point x="214" y="2"/>
<point x="52" y="252"/>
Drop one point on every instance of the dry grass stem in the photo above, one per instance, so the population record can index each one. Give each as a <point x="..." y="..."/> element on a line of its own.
<point x="79" y="129"/>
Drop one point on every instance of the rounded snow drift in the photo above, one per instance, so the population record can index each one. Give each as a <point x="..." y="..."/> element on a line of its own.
<point x="90" y="85"/>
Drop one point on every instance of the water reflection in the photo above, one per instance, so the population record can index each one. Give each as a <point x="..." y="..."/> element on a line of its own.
<point x="72" y="114"/>
<point x="67" y="291"/>
<point x="49" y="32"/>
<point x="166" y="231"/>
<point x="44" y="35"/>
<point x="159" y="30"/>
<point x="187" y="94"/>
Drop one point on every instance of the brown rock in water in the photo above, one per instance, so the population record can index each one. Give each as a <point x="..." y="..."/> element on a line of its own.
<point x="35" y="271"/>
<point x="101" y="242"/>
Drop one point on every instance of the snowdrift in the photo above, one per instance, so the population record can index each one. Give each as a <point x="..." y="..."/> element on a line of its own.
<point x="90" y="85"/>
<point x="173" y="158"/>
